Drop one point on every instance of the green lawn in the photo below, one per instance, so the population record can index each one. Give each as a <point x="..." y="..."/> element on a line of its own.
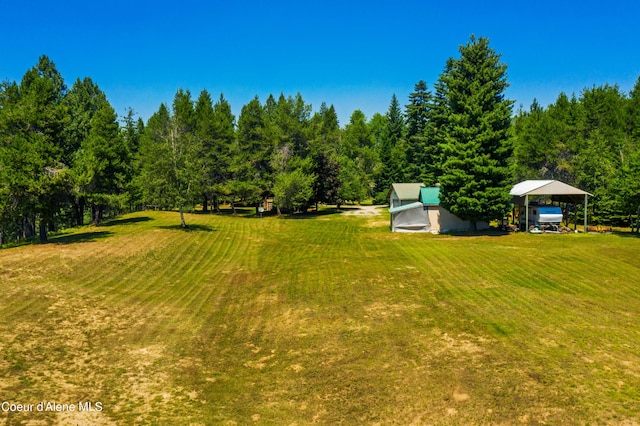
<point x="326" y="319"/>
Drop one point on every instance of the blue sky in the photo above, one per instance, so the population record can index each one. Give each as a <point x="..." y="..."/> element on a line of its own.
<point x="353" y="55"/>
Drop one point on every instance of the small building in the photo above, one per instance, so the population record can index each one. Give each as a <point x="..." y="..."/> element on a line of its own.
<point x="407" y="214"/>
<point x="416" y="208"/>
<point x="401" y="194"/>
<point x="441" y="219"/>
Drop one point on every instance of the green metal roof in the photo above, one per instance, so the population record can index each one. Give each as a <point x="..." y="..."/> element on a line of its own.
<point x="430" y="195"/>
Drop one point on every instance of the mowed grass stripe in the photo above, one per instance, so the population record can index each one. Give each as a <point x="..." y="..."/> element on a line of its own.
<point x="205" y="273"/>
<point x="181" y="275"/>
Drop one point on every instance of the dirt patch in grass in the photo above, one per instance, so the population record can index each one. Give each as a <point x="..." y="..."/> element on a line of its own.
<point x="362" y="210"/>
<point x="77" y="349"/>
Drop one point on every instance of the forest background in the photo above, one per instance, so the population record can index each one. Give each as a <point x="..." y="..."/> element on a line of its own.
<point x="67" y="158"/>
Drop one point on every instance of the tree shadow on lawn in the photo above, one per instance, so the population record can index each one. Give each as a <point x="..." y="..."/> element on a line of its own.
<point x="189" y="228"/>
<point x="127" y="221"/>
<point x="305" y="215"/>
<point x="242" y="212"/>
<point x="618" y="233"/>
<point x="84" y="237"/>
<point x="483" y="233"/>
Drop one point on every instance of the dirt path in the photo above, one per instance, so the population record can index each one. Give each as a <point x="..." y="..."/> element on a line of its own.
<point x="363" y="210"/>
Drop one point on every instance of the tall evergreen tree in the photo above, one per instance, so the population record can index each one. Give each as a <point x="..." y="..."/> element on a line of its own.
<point x="102" y="163"/>
<point x="631" y="171"/>
<point x="534" y="156"/>
<point x="476" y="175"/>
<point x="392" y="151"/>
<point x="330" y="123"/>
<point x="324" y="158"/>
<point x="605" y="150"/>
<point x="566" y="136"/>
<point x="156" y="166"/>
<point x="32" y="121"/>
<point x="82" y="102"/>
<point x="216" y="128"/>
<point x="358" y="158"/>
<point x="252" y="174"/>
<point x="132" y="131"/>
<point x="417" y="116"/>
<point x="289" y="124"/>
<point x="435" y="132"/>
<point x="9" y="199"/>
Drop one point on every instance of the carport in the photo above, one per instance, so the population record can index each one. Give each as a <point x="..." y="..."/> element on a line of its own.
<point x="558" y="191"/>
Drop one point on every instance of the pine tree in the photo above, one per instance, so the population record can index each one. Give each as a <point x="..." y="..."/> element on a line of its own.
<point x="132" y="131"/>
<point x="631" y="172"/>
<point x="605" y="151"/>
<point x="102" y="163"/>
<point x="156" y="168"/>
<point x="392" y="151"/>
<point x="476" y="175"/>
<point x="418" y="115"/>
<point x="82" y="102"/>
<point x="324" y="158"/>
<point x="32" y="123"/>
<point x="358" y="159"/>
<point x="252" y="174"/>
<point x="566" y="137"/>
<point x="435" y="133"/>
<point x="215" y="134"/>
<point x="534" y="153"/>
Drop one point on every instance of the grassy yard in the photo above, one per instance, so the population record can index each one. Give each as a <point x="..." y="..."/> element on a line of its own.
<point x="326" y="319"/>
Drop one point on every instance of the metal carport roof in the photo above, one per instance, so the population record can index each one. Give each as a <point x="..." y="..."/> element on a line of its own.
<point x="545" y="187"/>
<point x="559" y="191"/>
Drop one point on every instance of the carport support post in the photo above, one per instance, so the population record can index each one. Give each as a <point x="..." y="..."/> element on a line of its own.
<point x="585" y="213"/>
<point x="526" y="213"/>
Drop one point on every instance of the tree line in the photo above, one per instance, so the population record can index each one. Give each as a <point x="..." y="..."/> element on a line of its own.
<point x="66" y="158"/>
<point x="591" y="141"/>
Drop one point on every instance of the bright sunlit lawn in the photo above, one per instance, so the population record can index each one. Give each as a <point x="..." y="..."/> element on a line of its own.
<point x="326" y="318"/>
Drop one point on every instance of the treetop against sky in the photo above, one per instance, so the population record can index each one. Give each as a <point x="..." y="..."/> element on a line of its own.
<point x="351" y="55"/>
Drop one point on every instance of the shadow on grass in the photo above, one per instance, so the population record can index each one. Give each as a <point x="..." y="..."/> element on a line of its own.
<point x="127" y="221"/>
<point x="189" y="228"/>
<point x="84" y="237"/>
<point x="622" y="234"/>
<point x="242" y="212"/>
<point x="483" y="233"/>
<point x="312" y="214"/>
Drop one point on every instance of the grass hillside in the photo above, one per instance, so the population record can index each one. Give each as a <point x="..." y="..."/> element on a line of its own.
<point x="326" y="319"/>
